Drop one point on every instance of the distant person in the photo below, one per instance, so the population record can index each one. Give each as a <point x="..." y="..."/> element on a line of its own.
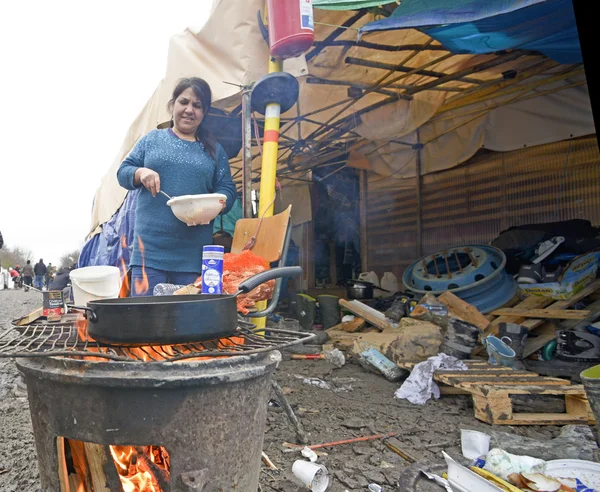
<point x="49" y="275"/>
<point x="28" y="275"/>
<point x="18" y="268"/>
<point x="62" y="281"/>
<point x="39" y="271"/>
<point x="1" y="241"/>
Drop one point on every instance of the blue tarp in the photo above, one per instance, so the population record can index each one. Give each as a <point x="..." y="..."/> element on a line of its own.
<point x="115" y="241"/>
<point x="479" y="26"/>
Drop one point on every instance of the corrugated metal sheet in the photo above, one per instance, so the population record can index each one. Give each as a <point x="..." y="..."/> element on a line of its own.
<point x="474" y="202"/>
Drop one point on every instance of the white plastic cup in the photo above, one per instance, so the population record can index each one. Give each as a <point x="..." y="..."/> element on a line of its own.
<point x="313" y="475"/>
<point x="474" y="444"/>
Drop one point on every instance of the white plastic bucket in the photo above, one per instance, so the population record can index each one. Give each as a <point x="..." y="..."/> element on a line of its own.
<point x="94" y="283"/>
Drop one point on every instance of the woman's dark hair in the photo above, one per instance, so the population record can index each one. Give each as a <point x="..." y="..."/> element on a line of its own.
<point x="203" y="92"/>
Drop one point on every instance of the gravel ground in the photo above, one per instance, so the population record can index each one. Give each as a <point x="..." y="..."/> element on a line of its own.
<point x="358" y="403"/>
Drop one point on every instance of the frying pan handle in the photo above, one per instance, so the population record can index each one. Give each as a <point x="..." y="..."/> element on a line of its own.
<point x="93" y="317"/>
<point x="262" y="277"/>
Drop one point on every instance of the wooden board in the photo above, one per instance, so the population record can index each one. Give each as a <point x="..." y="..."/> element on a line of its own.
<point x="30" y="318"/>
<point x="491" y="392"/>
<point x="464" y="310"/>
<point x="356" y="308"/>
<point x="543" y="313"/>
<point x="349" y="326"/>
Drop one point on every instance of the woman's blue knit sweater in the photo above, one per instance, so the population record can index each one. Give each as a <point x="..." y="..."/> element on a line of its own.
<point x="185" y="168"/>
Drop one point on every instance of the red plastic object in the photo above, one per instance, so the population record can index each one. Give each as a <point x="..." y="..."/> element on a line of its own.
<point x="291" y="27"/>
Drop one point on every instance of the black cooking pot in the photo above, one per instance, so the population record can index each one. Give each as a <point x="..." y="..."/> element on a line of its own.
<point x="170" y="320"/>
<point x="360" y="289"/>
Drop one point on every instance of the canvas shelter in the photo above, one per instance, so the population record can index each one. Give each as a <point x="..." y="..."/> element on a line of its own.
<point x="410" y="114"/>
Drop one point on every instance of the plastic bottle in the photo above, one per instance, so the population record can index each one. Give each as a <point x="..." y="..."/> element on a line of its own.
<point x="212" y="269"/>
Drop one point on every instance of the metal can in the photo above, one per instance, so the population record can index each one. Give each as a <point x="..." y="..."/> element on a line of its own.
<point x="212" y="269"/>
<point x="53" y="303"/>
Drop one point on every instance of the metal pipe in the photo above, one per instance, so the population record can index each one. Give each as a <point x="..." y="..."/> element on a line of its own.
<point x="419" y="178"/>
<point x="247" y="155"/>
<point x="399" y="68"/>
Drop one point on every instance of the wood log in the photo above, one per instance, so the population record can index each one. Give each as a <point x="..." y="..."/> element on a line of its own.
<point x="80" y="462"/>
<point x="362" y="310"/>
<point x="63" y="477"/>
<point x="350" y="326"/>
<point x="102" y="468"/>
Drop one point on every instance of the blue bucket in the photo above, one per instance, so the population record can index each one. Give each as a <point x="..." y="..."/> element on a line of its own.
<point x="500" y="353"/>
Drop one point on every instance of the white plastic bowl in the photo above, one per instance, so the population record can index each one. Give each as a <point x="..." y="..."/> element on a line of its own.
<point x="196" y="209"/>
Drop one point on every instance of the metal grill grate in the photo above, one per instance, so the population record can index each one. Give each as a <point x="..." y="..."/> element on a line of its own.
<point x="64" y="340"/>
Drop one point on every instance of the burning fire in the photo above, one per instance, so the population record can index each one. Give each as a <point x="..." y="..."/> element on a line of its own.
<point x="141" y="286"/>
<point x="125" y="289"/>
<point x="142" y="469"/>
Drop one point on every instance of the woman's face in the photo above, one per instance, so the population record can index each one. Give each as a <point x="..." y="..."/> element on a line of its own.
<point x="187" y="112"/>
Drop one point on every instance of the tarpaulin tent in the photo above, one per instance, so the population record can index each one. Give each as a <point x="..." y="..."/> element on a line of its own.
<point x="380" y="99"/>
<point x="476" y="26"/>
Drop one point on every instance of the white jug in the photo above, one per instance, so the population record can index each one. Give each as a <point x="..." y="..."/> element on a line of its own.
<point x="389" y="281"/>
<point x="369" y="277"/>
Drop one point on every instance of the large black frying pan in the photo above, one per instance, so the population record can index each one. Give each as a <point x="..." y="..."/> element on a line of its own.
<point x="170" y="320"/>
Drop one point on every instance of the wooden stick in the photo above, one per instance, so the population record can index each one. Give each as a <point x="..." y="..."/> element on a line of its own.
<point x="295" y="447"/>
<point x="300" y="432"/>
<point x="542" y="313"/>
<point x="268" y="462"/>
<point x="400" y="453"/>
<point x="62" y="465"/>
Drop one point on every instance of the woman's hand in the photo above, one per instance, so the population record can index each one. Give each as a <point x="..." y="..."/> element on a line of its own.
<point x="223" y="204"/>
<point x="149" y="179"/>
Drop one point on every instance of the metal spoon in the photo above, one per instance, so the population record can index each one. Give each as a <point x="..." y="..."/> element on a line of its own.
<point x="161" y="191"/>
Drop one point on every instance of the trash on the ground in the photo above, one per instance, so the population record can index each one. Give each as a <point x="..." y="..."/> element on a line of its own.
<point x="474" y="444"/>
<point x="319" y="383"/>
<point x="371" y="359"/>
<point x="295" y="447"/>
<point x="437" y="479"/>
<point x="335" y="357"/>
<point x="503" y="464"/>
<point x="268" y="462"/>
<point x="309" y="453"/>
<point x="575" y="442"/>
<point x="462" y="479"/>
<point x="373" y="487"/>
<point x="419" y="387"/>
<point x="499" y="352"/>
<point x="404" y="455"/>
<point x="312" y="475"/>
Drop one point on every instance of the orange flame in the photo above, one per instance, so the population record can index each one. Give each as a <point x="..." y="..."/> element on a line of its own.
<point x="142" y="286"/>
<point x="125" y="288"/>
<point x="135" y="471"/>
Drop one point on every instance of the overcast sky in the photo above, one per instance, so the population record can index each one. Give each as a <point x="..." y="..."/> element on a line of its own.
<point x="74" y="75"/>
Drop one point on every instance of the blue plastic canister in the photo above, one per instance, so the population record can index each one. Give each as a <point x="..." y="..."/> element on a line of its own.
<point x="212" y="269"/>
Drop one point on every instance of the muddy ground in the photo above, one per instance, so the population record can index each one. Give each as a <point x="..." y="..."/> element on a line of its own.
<point x="357" y="403"/>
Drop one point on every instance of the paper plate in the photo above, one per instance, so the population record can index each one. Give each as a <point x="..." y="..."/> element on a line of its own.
<point x="586" y="471"/>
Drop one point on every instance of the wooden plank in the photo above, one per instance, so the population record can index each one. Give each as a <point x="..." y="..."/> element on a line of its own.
<point x="499" y="371"/>
<point x="531" y="324"/>
<point x="545" y="333"/>
<point x="349" y="326"/>
<point x="451" y="390"/>
<point x="541" y="419"/>
<point x="101" y="464"/>
<point x="531" y="302"/>
<point x="579" y="405"/>
<point x="363" y="311"/>
<point x="543" y="313"/>
<point x="30" y="318"/>
<point x="502" y="382"/>
<point x="530" y="389"/>
<point x="62" y="465"/>
<point x="492" y="409"/>
<point x="464" y="310"/>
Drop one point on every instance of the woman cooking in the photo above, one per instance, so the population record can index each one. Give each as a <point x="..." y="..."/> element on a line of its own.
<point x="184" y="160"/>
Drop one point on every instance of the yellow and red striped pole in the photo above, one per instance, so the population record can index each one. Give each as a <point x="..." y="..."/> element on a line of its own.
<point x="268" y="174"/>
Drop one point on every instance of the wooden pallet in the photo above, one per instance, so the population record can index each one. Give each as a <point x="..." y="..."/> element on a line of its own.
<point x="491" y="388"/>
<point x="545" y="329"/>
